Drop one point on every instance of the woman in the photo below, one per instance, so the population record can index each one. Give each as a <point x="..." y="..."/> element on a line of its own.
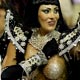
<point x="69" y="48"/>
<point x="41" y="41"/>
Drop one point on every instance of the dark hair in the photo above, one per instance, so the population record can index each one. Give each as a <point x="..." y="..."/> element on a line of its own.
<point x="17" y="6"/>
<point x="31" y="16"/>
<point x="3" y="5"/>
<point x="18" y="12"/>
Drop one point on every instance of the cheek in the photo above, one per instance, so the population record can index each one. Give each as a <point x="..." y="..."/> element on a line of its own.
<point x="57" y="17"/>
<point x="42" y="17"/>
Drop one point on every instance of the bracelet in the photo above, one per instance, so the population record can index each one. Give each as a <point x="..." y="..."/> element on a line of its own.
<point x="33" y="62"/>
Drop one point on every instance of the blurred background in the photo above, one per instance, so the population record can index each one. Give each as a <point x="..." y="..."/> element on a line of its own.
<point x="70" y="10"/>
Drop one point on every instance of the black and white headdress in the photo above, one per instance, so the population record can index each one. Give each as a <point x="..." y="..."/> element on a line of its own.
<point x="69" y="39"/>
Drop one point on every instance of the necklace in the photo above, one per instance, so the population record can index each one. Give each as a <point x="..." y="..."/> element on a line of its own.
<point x="38" y="41"/>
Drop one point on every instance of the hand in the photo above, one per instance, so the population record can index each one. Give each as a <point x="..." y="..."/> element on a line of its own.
<point x="51" y="48"/>
<point x="75" y="52"/>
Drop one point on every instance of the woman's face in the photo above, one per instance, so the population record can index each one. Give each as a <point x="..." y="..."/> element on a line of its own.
<point x="48" y="16"/>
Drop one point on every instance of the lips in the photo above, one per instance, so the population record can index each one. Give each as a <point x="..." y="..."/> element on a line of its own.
<point x="51" y="23"/>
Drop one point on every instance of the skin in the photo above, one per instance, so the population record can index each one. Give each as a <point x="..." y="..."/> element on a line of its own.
<point x="10" y="57"/>
<point x="44" y="17"/>
<point x="2" y="21"/>
<point x="48" y="16"/>
<point x="75" y="52"/>
<point x="54" y="70"/>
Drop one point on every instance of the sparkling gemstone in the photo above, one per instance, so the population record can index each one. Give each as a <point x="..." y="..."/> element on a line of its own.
<point x="69" y="42"/>
<point x="61" y="41"/>
<point x="23" y="43"/>
<point x="61" y="46"/>
<point x="17" y="38"/>
<point x="74" y="44"/>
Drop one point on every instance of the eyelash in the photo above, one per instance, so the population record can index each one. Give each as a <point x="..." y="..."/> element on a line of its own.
<point x="57" y="11"/>
<point x="47" y="11"/>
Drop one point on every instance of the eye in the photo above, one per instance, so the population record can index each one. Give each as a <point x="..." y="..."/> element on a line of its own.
<point x="56" y="10"/>
<point x="46" y="11"/>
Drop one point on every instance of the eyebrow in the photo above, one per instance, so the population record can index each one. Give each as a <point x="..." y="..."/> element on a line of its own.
<point x="50" y="8"/>
<point x="47" y="8"/>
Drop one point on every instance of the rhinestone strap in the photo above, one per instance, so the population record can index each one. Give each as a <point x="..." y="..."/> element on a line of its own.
<point x="69" y="40"/>
<point x="7" y="30"/>
<point x="33" y="62"/>
<point x="70" y="46"/>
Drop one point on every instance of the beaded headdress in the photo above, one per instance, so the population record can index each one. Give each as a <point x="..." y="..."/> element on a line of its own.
<point x="69" y="39"/>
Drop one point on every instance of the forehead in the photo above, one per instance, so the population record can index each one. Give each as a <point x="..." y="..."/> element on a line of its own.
<point x="48" y="6"/>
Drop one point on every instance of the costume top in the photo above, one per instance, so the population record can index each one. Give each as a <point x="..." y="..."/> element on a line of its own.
<point x="21" y="37"/>
<point x="3" y="45"/>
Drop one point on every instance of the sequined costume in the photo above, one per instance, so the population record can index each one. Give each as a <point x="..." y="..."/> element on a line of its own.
<point x="3" y="45"/>
<point x="20" y="39"/>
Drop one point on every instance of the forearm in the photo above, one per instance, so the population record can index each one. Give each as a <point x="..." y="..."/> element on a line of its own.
<point x="30" y="64"/>
<point x="10" y="58"/>
<point x="8" y="62"/>
<point x="16" y="71"/>
<point x="33" y="62"/>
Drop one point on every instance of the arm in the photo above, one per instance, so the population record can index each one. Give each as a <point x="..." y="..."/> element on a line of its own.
<point x="2" y="21"/>
<point x="31" y="63"/>
<point x="10" y="56"/>
<point x="67" y="17"/>
<point x="75" y="52"/>
<point x="40" y="58"/>
<point x="15" y="72"/>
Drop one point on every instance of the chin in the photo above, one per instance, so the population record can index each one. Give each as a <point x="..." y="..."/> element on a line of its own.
<point x="51" y="29"/>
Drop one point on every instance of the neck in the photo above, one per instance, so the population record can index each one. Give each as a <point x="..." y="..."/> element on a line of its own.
<point x="1" y="34"/>
<point x="42" y="32"/>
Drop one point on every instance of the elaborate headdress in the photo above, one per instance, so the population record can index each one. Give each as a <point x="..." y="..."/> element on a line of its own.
<point x="69" y="39"/>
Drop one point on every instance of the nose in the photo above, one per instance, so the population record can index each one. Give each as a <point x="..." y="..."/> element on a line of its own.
<point x="52" y="15"/>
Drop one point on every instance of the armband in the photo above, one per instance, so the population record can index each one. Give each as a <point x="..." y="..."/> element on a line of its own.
<point x="33" y="62"/>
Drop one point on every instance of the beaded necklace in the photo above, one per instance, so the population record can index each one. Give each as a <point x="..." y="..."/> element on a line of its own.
<point x="39" y="41"/>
